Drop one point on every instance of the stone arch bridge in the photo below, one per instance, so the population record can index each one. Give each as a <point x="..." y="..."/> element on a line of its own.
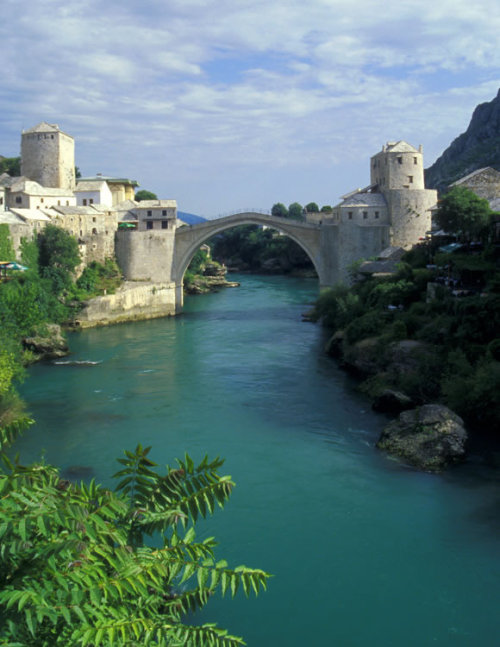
<point x="163" y="255"/>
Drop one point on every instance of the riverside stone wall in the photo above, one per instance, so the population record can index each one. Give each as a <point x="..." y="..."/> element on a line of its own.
<point x="131" y="302"/>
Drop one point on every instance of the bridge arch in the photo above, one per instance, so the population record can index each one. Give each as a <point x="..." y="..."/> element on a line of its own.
<point x="189" y="238"/>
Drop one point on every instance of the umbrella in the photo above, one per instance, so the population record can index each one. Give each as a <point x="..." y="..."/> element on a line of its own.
<point x="15" y="266"/>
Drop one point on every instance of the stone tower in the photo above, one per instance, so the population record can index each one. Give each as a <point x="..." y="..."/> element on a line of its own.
<point x="398" y="173"/>
<point x="48" y="156"/>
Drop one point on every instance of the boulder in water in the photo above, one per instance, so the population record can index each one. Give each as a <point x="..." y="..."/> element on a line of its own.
<point x="430" y="437"/>
<point x="47" y="343"/>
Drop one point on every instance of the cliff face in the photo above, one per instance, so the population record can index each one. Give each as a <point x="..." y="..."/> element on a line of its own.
<point x="478" y="147"/>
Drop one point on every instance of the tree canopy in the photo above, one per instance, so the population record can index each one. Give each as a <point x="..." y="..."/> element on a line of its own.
<point x="462" y="212"/>
<point x="84" y="565"/>
<point x="10" y="165"/>
<point x="295" y="211"/>
<point x="145" y="195"/>
<point x="279" y="210"/>
<point x="312" y="207"/>
<point x="58" y="257"/>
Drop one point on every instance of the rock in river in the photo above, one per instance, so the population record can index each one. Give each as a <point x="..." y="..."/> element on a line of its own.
<point x="47" y="343"/>
<point x="430" y="437"/>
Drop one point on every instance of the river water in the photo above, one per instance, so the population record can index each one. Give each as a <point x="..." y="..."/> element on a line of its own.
<point x="364" y="551"/>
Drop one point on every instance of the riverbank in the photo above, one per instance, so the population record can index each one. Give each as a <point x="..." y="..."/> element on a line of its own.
<point x="132" y="301"/>
<point x="239" y="375"/>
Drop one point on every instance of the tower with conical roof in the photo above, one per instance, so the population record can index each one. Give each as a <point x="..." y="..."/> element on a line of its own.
<point x="48" y="156"/>
<point x="397" y="172"/>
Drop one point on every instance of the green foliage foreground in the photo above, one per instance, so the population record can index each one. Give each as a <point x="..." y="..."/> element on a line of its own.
<point x="85" y="565"/>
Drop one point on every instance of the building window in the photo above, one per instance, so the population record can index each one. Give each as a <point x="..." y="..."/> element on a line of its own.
<point x="400" y="160"/>
<point x="149" y="213"/>
<point x="365" y="215"/>
<point x="91" y="200"/>
<point x="410" y="179"/>
<point x="350" y="215"/>
<point x="94" y="219"/>
<point x="164" y="212"/>
<point x="1" y="200"/>
<point x="84" y="202"/>
<point x="67" y="203"/>
<point x="164" y="224"/>
<point x="149" y="225"/>
<point x="376" y="214"/>
<point x="415" y="160"/>
<point x="19" y="199"/>
<point x="94" y="231"/>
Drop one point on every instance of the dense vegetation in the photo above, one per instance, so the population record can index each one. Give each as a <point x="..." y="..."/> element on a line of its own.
<point x="44" y="293"/>
<point x="447" y="303"/>
<point x="85" y="565"/>
<point x="252" y="248"/>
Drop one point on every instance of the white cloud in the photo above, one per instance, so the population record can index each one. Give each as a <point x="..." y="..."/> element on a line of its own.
<point x="237" y="87"/>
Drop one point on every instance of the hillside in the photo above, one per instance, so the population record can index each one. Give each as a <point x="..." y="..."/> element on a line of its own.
<point x="190" y="218"/>
<point x="478" y="147"/>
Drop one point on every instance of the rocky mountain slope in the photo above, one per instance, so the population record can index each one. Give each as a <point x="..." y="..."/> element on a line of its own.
<point x="478" y="147"/>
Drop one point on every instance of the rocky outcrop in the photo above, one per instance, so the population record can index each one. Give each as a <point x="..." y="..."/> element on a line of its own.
<point x="207" y="284"/>
<point x="477" y="148"/>
<point x="430" y="438"/>
<point x="47" y="343"/>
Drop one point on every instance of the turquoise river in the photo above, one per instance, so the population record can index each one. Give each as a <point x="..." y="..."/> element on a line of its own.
<point x="364" y="552"/>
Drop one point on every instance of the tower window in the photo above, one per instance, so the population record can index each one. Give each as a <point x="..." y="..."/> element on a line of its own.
<point x="350" y="215"/>
<point x="149" y="225"/>
<point x="410" y="179"/>
<point x="400" y="160"/>
<point x="376" y="214"/>
<point x="415" y="160"/>
<point x="84" y="202"/>
<point x="365" y="215"/>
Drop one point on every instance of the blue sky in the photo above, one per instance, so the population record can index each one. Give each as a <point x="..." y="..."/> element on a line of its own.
<point x="228" y="104"/>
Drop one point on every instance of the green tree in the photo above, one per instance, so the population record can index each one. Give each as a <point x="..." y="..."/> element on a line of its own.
<point x="10" y="165"/>
<point x="462" y="212"/>
<point x="59" y="256"/>
<point x="295" y="211"/>
<point x="30" y="253"/>
<point x="279" y="210"/>
<point x="326" y="208"/>
<point x="145" y="195"/>
<point x="84" y="565"/>
<point x="6" y="247"/>
<point x="312" y="207"/>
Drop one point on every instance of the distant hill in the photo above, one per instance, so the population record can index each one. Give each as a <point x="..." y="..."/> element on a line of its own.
<point x="190" y="218"/>
<point x="478" y="147"/>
